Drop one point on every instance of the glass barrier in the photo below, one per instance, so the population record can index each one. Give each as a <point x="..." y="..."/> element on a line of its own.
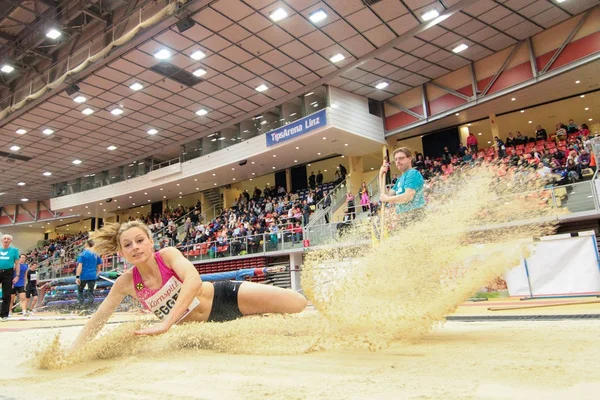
<point x="243" y="246"/>
<point x="274" y="118"/>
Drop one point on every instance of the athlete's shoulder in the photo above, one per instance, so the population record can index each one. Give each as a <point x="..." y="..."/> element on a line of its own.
<point x="124" y="282"/>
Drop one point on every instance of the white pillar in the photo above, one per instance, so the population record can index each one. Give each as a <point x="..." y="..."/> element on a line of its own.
<point x="295" y="270"/>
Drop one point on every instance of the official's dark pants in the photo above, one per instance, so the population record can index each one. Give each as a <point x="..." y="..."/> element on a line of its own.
<point x="89" y="293"/>
<point x="6" y="277"/>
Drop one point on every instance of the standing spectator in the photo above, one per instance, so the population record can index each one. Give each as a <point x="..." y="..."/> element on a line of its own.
<point x="500" y="147"/>
<point x="520" y="139"/>
<point x="312" y="180"/>
<point x="585" y="131"/>
<point x="9" y="262"/>
<point x="305" y="212"/>
<point x="561" y="131"/>
<point x="572" y="127"/>
<point x="31" y="291"/>
<point x="540" y="133"/>
<point x="365" y="201"/>
<point x="88" y="268"/>
<point x="326" y="205"/>
<point x="343" y="172"/>
<point x="351" y="211"/>
<point x="446" y="156"/>
<point x="19" y="286"/>
<point x="510" y="140"/>
<point x="472" y="143"/>
<point x="319" y="178"/>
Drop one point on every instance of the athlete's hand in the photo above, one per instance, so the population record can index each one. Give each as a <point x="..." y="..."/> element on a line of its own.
<point x="15" y="280"/>
<point x="156" y="329"/>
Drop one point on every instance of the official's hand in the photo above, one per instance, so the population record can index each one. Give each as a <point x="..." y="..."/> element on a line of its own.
<point x="156" y="329"/>
<point x="15" y="280"/>
<point x="384" y="169"/>
<point x="78" y="281"/>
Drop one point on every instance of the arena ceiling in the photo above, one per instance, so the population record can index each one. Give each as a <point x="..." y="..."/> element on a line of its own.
<point x="243" y="48"/>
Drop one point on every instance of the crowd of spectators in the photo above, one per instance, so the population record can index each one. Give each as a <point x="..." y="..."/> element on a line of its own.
<point x="58" y="248"/>
<point x="566" y="153"/>
<point x="272" y="215"/>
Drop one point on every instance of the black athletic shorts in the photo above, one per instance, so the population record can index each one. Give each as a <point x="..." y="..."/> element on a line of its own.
<point x="31" y="291"/>
<point x="225" y="302"/>
<point x="18" y="289"/>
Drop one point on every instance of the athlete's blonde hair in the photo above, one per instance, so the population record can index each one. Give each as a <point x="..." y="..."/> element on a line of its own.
<point x="107" y="240"/>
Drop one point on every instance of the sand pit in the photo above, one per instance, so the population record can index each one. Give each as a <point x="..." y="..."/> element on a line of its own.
<point x="483" y="360"/>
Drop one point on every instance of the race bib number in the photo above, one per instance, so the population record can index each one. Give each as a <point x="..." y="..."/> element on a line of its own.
<point x="163" y="301"/>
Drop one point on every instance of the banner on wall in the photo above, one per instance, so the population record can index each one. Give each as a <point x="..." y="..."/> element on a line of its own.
<point x="560" y="266"/>
<point x="297" y="128"/>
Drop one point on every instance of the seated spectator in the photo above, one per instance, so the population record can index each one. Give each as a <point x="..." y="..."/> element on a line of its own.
<point x="500" y="147"/>
<point x="419" y="162"/>
<point x="462" y="149"/>
<point x="446" y="156"/>
<point x="467" y="158"/>
<point x="573" y="171"/>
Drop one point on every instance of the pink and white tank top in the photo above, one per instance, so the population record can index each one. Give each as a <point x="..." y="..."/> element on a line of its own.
<point x="160" y="301"/>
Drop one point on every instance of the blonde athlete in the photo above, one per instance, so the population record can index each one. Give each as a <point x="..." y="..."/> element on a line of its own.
<point x="167" y="284"/>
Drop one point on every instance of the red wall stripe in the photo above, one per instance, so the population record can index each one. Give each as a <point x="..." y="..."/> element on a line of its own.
<point x="574" y="51"/>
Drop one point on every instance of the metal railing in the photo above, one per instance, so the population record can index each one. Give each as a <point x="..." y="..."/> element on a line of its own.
<point x="165" y="164"/>
<point x="322" y="213"/>
<point x="79" y="56"/>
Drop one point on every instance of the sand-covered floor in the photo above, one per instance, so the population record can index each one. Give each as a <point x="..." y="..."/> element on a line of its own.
<point x="481" y="360"/>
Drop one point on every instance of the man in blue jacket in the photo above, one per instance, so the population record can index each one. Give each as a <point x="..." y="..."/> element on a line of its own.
<point x="88" y="268"/>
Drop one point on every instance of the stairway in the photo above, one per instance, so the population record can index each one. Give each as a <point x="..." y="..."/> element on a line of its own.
<point x="214" y="197"/>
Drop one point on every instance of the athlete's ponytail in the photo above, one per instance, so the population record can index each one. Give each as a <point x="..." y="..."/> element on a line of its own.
<point x="107" y="239"/>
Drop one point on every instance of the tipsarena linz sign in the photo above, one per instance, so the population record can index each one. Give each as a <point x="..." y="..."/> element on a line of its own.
<point x="297" y="128"/>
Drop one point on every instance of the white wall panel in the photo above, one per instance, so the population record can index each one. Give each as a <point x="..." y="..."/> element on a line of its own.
<point x="350" y="112"/>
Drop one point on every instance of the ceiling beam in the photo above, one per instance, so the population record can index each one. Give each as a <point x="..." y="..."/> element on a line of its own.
<point x="50" y="3"/>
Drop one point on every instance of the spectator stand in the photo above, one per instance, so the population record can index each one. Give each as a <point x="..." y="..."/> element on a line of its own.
<point x="337" y="195"/>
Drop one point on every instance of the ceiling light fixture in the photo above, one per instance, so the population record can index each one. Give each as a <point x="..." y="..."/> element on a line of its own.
<point x="24" y="199"/>
<point x="513" y="99"/>
<point x="577" y="81"/>
<point x="261" y="88"/>
<point x="162" y="54"/>
<point x="460" y="47"/>
<point x="48" y="131"/>
<point x="88" y="111"/>
<point x="15" y="148"/>
<point x="582" y="96"/>
<point x="79" y="99"/>
<point x="457" y="114"/>
<point x="381" y="85"/>
<point x="47" y="173"/>
<point x="111" y="148"/>
<point x="116" y="111"/>
<point x="53" y="34"/>
<point x="199" y="72"/>
<point x="337" y="58"/>
<point x="7" y="68"/>
<point x="197" y="55"/>
<point x="21" y="184"/>
<point x="202" y="112"/>
<point x="522" y="111"/>
<point x="21" y="131"/>
<point x="76" y="162"/>
<point x="152" y="131"/>
<point x="317" y="16"/>
<point x="278" y="15"/>
<point x="429" y="15"/>
<point x="136" y="86"/>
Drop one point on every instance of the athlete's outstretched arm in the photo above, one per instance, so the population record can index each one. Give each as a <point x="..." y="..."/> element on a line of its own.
<point x="191" y="284"/>
<point x="107" y="308"/>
